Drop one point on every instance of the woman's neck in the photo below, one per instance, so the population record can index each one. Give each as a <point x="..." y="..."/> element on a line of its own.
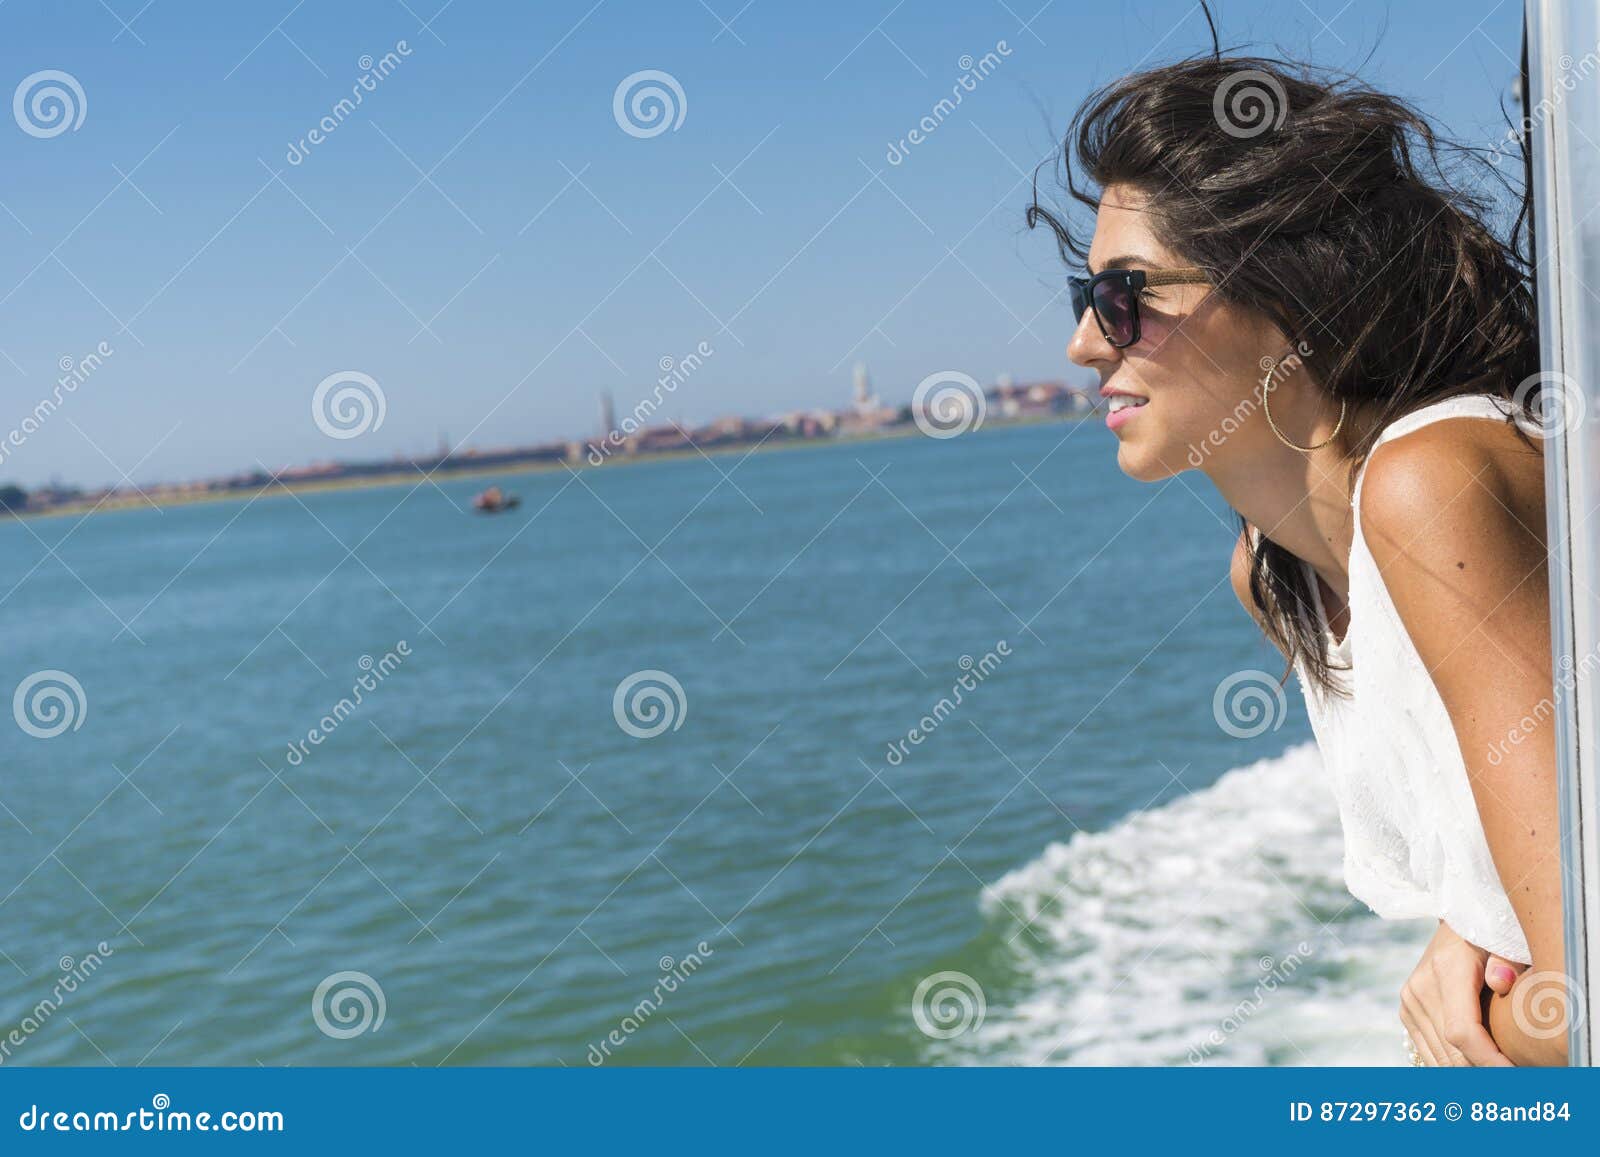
<point x="1300" y="500"/>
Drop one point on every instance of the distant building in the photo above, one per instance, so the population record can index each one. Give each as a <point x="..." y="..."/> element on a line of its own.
<point x="865" y="415"/>
<point x="865" y="399"/>
<point x="810" y="423"/>
<point x="866" y="411"/>
<point x="1008" y="399"/>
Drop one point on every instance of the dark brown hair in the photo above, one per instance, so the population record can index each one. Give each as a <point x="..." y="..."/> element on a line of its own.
<point x="1326" y="206"/>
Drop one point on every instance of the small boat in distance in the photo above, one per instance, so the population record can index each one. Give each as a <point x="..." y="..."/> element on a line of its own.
<point x="494" y="501"/>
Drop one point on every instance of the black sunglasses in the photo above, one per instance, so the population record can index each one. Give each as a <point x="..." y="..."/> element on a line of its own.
<point x="1114" y="296"/>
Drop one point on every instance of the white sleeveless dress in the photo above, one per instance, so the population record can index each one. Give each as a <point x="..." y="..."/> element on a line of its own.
<point x="1414" y="843"/>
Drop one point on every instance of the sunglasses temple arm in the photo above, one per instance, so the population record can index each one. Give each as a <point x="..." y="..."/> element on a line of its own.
<point x="1176" y="277"/>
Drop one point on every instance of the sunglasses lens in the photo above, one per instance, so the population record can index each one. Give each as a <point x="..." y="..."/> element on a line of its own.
<point x="1114" y="306"/>
<point x="1079" y="290"/>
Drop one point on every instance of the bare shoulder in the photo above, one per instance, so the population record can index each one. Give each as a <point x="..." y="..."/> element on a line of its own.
<point x="1456" y="488"/>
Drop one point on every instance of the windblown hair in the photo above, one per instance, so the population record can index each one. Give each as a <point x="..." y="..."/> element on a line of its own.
<point x="1324" y="205"/>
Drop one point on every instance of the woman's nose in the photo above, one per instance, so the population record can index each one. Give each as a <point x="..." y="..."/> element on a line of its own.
<point x="1088" y="346"/>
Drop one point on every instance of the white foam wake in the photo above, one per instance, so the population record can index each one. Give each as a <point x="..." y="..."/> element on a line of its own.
<point x="1213" y="929"/>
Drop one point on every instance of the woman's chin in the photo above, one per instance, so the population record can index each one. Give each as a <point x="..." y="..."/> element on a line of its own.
<point x="1142" y="465"/>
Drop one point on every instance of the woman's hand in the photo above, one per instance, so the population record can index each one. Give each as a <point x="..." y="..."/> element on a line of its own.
<point x="1441" y="1004"/>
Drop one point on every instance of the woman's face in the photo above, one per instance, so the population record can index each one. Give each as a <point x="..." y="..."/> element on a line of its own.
<point x="1198" y="363"/>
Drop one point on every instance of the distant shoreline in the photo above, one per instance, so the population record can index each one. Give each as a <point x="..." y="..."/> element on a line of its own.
<point x="280" y="489"/>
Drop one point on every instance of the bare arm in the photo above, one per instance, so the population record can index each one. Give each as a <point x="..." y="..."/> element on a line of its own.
<point x="1454" y="517"/>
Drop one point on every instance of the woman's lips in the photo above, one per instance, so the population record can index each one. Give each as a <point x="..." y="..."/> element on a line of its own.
<point x="1120" y="416"/>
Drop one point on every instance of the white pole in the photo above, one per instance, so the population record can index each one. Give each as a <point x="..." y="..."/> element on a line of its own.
<point x="1561" y="101"/>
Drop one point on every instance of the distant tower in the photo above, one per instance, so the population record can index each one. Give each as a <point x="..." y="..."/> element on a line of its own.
<point x="608" y="417"/>
<point x="865" y="399"/>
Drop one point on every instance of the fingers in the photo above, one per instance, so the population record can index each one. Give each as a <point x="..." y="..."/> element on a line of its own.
<point x="1460" y="1004"/>
<point x="1429" y="1045"/>
<point x="1500" y="974"/>
<point x="1418" y="1040"/>
<point x="1441" y="1003"/>
<point x="1469" y="1040"/>
<point x="1444" y="1000"/>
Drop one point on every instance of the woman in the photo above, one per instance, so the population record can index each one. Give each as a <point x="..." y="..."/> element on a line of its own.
<point x="1281" y="295"/>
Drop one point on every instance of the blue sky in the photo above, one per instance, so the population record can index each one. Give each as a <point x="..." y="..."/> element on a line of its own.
<point x="484" y="240"/>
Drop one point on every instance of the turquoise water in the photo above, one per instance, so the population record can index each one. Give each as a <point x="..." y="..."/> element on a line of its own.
<point x="509" y="865"/>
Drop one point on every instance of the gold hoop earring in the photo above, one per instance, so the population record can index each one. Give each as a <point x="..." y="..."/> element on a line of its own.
<point x="1266" y="405"/>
